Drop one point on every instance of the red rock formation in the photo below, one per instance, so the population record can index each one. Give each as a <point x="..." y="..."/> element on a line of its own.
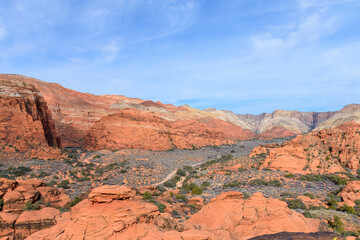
<point x="16" y="194"/>
<point x="25" y="121"/>
<point x="350" y="193"/>
<point x="116" y="212"/>
<point x="229" y="216"/>
<point x="324" y="151"/>
<point x="15" y="222"/>
<point x="141" y="130"/>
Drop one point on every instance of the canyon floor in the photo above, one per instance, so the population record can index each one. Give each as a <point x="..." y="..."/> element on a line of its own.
<point x="85" y="170"/>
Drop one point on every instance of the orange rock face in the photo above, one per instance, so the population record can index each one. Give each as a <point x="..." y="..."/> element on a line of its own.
<point x="351" y="193"/>
<point x="75" y="114"/>
<point x="122" y="215"/>
<point x="25" y="121"/>
<point x="324" y="151"/>
<point x="17" y="223"/>
<point x="230" y="217"/>
<point x="142" y="130"/>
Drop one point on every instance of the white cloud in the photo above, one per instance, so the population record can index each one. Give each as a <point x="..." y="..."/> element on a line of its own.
<point x="3" y="32"/>
<point x="343" y="62"/>
<point x="306" y="30"/>
<point x="110" y="50"/>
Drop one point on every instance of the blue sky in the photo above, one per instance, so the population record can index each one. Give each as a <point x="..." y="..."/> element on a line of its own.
<point x="248" y="56"/>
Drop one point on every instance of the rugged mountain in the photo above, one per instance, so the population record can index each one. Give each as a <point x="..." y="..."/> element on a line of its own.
<point x="293" y="122"/>
<point x="25" y="122"/>
<point x="349" y="113"/>
<point x="321" y="151"/>
<point x="117" y="212"/>
<point x="78" y="116"/>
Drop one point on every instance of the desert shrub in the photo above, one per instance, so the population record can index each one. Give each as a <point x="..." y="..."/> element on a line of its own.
<point x="234" y="183"/>
<point x="257" y="182"/>
<point x="160" y="206"/>
<point x="246" y="196"/>
<point x="64" y="184"/>
<point x="196" y="191"/>
<point x="205" y="185"/>
<point x="295" y="204"/>
<point x="310" y="195"/>
<point x="75" y="201"/>
<point x="337" y="224"/>
<point x="347" y="208"/>
<point x="29" y="206"/>
<point x="323" y="177"/>
<point x="288" y="195"/>
<point x="170" y="183"/>
<point x="332" y="203"/>
<point x="147" y="196"/>
<point x="1" y="204"/>
<point x="97" y="156"/>
<point x="181" y="197"/>
<point x="274" y="183"/>
<point x="290" y="175"/>
<point x="180" y="172"/>
<point x="308" y="214"/>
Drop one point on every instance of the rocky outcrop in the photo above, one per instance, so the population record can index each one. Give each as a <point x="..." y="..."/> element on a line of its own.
<point x="24" y="207"/>
<point x="324" y="151"/>
<point x="141" y="130"/>
<point x="229" y="216"/>
<point x="350" y="193"/>
<point x="25" y="121"/>
<point x="116" y="212"/>
<point x="16" y="194"/>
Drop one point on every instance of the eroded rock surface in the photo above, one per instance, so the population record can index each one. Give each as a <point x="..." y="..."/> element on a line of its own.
<point x="25" y="121"/>
<point x="324" y="151"/>
<point x="121" y="214"/>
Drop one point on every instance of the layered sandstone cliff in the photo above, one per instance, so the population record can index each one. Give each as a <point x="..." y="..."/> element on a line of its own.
<point x="142" y="130"/>
<point x="25" y="121"/>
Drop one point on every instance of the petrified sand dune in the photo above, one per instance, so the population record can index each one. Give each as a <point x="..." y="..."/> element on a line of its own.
<point x="323" y="151"/>
<point x="116" y="212"/>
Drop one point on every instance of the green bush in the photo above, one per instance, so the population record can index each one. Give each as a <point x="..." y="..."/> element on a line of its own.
<point x="295" y="204"/>
<point x="337" y="225"/>
<point x="323" y="177"/>
<point x="180" y="172"/>
<point x="310" y="195"/>
<point x="308" y="214"/>
<point x="332" y="203"/>
<point x="147" y="196"/>
<point x="75" y="201"/>
<point x="160" y="206"/>
<point x="64" y="184"/>
<point x="257" y="182"/>
<point x="183" y="198"/>
<point x="347" y="208"/>
<point x="29" y="206"/>
<point x="196" y="191"/>
<point x="290" y="175"/>
<point x="274" y="183"/>
<point x="231" y="184"/>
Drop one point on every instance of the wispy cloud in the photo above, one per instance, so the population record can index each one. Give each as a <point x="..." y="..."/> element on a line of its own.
<point x="2" y="32"/>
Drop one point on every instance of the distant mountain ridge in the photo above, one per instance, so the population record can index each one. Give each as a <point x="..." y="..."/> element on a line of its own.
<point x="75" y="115"/>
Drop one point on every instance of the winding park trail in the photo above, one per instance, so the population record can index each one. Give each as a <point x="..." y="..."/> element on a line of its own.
<point x="173" y="173"/>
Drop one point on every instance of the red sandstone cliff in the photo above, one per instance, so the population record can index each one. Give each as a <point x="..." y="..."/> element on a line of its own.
<point x="321" y="151"/>
<point x="25" y="121"/>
